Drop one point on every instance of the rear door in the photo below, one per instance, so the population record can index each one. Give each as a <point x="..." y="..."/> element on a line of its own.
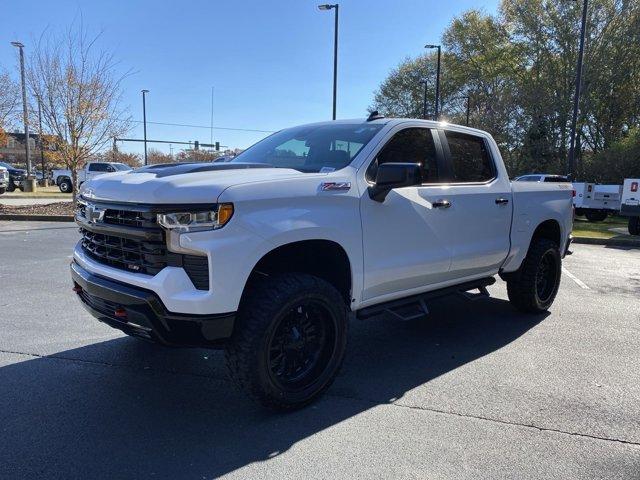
<point x="477" y="225"/>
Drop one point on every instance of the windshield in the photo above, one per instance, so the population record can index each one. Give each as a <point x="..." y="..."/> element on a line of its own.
<point x="122" y="166"/>
<point x="314" y="148"/>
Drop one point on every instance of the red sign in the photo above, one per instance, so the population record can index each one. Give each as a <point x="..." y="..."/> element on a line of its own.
<point x="634" y="186"/>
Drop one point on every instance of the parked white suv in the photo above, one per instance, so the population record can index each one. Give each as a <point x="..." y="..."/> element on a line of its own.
<point x="268" y="254"/>
<point x="63" y="178"/>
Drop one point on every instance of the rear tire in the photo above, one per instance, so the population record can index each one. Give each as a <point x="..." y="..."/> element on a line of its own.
<point x="2" y="190"/>
<point x="533" y="288"/>
<point x="596" y="215"/>
<point x="65" y="186"/>
<point x="634" y="225"/>
<point x="289" y="340"/>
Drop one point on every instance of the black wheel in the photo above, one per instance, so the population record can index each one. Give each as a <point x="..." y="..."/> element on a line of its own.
<point x="579" y="212"/>
<point x="11" y="186"/>
<point x="2" y="190"/>
<point x="289" y="340"/>
<point x="534" y="286"/>
<point x="65" y="186"/>
<point x="634" y="225"/>
<point x="595" y="215"/>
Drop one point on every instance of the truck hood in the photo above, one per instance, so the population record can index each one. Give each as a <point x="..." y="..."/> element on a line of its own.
<point x="179" y="184"/>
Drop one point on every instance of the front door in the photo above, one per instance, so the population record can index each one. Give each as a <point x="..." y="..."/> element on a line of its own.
<point x="404" y="244"/>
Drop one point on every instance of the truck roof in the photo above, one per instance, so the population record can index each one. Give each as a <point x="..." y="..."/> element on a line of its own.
<point x="397" y="121"/>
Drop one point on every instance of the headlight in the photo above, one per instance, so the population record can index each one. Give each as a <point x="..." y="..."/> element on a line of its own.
<point x="197" y="221"/>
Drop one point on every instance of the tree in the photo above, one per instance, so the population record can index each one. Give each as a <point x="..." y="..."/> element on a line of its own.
<point x="80" y="95"/>
<point x="518" y="67"/>
<point x="9" y="100"/>
<point x="191" y="155"/>
<point x="155" y="157"/>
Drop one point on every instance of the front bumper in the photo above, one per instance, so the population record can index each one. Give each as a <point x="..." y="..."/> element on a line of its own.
<point x="141" y="313"/>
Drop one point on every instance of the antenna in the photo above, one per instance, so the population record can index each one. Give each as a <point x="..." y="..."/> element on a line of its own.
<point x="374" y="116"/>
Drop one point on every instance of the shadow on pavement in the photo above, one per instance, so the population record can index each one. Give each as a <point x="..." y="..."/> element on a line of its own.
<point x="118" y="411"/>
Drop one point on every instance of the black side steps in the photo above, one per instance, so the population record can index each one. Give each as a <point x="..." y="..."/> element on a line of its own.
<point x="415" y="306"/>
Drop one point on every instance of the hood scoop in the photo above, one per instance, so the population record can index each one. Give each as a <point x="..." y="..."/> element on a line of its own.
<point x="170" y="169"/>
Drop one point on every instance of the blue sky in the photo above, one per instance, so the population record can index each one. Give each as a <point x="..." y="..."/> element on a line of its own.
<point x="269" y="61"/>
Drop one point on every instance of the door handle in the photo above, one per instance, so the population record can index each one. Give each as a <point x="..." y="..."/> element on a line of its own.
<point x="502" y="201"/>
<point x="441" y="204"/>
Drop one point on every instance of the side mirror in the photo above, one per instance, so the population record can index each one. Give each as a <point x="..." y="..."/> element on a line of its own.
<point x="394" y="175"/>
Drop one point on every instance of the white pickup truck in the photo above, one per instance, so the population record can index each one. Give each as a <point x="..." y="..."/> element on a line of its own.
<point x="268" y="255"/>
<point x="62" y="178"/>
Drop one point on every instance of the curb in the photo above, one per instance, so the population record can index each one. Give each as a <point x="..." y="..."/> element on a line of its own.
<point x="611" y="242"/>
<point x="31" y="197"/>
<point x="38" y="218"/>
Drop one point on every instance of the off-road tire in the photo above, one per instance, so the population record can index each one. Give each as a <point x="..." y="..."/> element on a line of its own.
<point x="11" y="186"/>
<point x="522" y="286"/>
<point x="265" y="305"/>
<point x="596" y="216"/>
<point x="65" y="186"/>
<point x="634" y="225"/>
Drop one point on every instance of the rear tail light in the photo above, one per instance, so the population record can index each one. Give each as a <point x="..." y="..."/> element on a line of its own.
<point x="120" y="313"/>
<point x="573" y="192"/>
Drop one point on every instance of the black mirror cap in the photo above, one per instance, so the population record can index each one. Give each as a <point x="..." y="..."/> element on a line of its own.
<point x="394" y="175"/>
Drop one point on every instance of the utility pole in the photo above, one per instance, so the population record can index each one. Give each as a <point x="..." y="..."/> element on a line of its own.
<point x="576" y="98"/>
<point x="335" y="7"/>
<point x="424" y="101"/>
<point x="211" y="136"/>
<point x="144" y="121"/>
<point x="437" y="110"/>
<point x="29" y="184"/>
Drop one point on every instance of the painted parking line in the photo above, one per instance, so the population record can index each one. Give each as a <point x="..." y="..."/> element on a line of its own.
<point x="580" y="283"/>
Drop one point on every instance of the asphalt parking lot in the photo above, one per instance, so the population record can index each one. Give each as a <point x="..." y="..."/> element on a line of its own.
<point x="476" y="391"/>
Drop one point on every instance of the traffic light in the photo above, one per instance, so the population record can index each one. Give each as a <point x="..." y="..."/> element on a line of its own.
<point x="217" y="146"/>
<point x="197" y="145"/>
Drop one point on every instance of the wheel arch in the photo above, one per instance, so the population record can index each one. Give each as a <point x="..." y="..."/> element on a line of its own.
<point x="325" y="259"/>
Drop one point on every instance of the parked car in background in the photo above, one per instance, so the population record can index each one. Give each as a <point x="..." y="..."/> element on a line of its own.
<point x="62" y="178"/>
<point x="16" y="176"/>
<point x="630" y="204"/>
<point x="4" y="179"/>
<point x="268" y="255"/>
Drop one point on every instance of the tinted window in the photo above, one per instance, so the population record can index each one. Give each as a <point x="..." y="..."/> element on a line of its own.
<point x="556" y="179"/>
<point x="412" y="145"/>
<point x="311" y="148"/>
<point x="470" y="159"/>
<point x="98" y="167"/>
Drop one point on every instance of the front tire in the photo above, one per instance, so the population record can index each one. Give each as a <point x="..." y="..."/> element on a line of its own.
<point x="289" y="340"/>
<point x="2" y="190"/>
<point x="533" y="288"/>
<point x="634" y="225"/>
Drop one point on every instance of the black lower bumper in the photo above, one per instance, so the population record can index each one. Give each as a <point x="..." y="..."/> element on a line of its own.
<point x="141" y="313"/>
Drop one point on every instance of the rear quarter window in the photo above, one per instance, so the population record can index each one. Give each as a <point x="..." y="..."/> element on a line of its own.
<point x="470" y="159"/>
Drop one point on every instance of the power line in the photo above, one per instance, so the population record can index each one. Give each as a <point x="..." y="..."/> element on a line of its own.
<point x="208" y="127"/>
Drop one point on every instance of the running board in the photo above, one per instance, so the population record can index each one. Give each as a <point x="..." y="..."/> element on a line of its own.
<point x="415" y="306"/>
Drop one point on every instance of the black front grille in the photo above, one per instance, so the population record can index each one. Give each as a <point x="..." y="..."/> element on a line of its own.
<point x="141" y="255"/>
<point x="134" y="255"/>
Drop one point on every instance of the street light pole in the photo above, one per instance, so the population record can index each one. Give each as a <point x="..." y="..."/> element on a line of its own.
<point x="335" y="7"/>
<point x="25" y="111"/>
<point x="437" y="110"/>
<point x="424" y="101"/>
<point x="44" y="180"/>
<point x="576" y="98"/>
<point x="144" y="122"/>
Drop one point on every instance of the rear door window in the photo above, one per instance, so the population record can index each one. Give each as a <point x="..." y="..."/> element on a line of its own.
<point x="470" y="159"/>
